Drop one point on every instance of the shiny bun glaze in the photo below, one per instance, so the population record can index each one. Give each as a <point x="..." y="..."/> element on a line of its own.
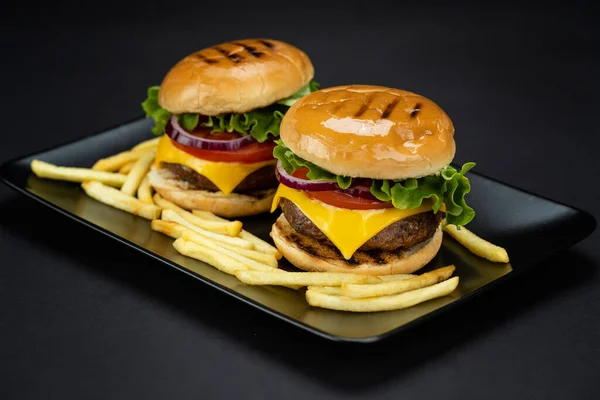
<point x="370" y="131"/>
<point x="235" y="77"/>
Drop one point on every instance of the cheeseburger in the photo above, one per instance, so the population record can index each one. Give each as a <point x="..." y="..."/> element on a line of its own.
<point x="220" y="109"/>
<point x="365" y="181"/>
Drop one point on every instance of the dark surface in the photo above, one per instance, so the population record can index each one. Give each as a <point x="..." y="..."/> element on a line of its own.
<point x="84" y="317"/>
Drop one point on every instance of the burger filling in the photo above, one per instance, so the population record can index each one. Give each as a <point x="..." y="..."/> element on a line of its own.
<point x="360" y="215"/>
<point x="400" y="235"/>
<point x="261" y="179"/>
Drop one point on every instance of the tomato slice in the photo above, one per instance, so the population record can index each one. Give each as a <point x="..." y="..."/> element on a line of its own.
<point x="343" y="200"/>
<point x="340" y="199"/>
<point x="253" y="153"/>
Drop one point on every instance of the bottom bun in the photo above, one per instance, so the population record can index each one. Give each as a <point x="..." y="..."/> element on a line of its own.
<point x="233" y="205"/>
<point x="309" y="254"/>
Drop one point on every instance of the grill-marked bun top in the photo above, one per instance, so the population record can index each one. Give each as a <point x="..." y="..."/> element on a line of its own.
<point x="235" y="77"/>
<point x="370" y="132"/>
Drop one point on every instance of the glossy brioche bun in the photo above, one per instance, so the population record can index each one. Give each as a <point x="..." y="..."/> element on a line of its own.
<point x="235" y="77"/>
<point x="234" y="205"/>
<point x="309" y="254"/>
<point x="370" y="132"/>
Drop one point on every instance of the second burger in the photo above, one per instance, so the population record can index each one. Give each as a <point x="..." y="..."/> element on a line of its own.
<point x="220" y="109"/>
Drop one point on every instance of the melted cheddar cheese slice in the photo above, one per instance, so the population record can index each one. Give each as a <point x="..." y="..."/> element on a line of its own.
<point x="347" y="229"/>
<point x="225" y="175"/>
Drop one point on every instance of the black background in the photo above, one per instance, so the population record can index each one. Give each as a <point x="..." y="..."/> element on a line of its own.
<point x="81" y="316"/>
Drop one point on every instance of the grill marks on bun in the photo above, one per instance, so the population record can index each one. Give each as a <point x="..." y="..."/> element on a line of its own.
<point x="237" y="52"/>
<point x="389" y="108"/>
<point x="381" y="109"/>
<point x="235" y="77"/>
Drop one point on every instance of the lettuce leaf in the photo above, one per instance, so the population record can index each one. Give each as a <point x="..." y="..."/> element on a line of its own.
<point x="448" y="187"/>
<point x="259" y="123"/>
<point x="310" y="87"/>
<point x="155" y="111"/>
<point x="292" y="162"/>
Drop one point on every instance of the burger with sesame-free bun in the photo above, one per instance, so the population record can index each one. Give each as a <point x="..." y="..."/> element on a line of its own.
<point x="366" y="184"/>
<point x="220" y="109"/>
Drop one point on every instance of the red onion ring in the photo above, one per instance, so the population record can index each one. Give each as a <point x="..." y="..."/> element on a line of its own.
<point x="181" y="136"/>
<point x="360" y="187"/>
<point x="303" y="184"/>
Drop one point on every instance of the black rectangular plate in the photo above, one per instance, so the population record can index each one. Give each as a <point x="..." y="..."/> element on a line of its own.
<point x="530" y="227"/>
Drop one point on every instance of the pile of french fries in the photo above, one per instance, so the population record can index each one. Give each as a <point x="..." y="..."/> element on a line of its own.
<point x="121" y="181"/>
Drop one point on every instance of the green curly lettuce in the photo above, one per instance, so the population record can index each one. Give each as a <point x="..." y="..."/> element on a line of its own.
<point x="310" y="87"/>
<point x="155" y="111"/>
<point x="292" y="162"/>
<point x="448" y="187"/>
<point x="260" y="123"/>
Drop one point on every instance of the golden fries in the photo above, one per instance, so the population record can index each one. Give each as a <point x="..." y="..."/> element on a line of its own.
<point x="332" y="290"/>
<point x="193" y="237"/>
<point x="114" y="163"/>
<point x="170" y="215"/>
<point x="144" y="191"/>
<point x="260" y="244"/>
<point x="396" y="287"/>
<point x="262" y="258"/>
<point x="163" y="203"/>
<point x="207" y="215"/>
<point x="230" y="228"/>
<point x="209" y="256"/>
<point x="477" y="245"/>
<point x="384" y="303"/>
<point x="284" y="278"/>
<point x="46" y="170"/>
<point x="125" y="169"/>
<point x="115" y="198"/>
<point x="147" y="144"/>
<point x="139" y="170"/>
<point x="169" y="228"/>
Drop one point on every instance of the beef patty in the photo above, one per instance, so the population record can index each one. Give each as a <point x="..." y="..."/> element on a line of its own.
<point x="400" y="235"/>
<point x="260" y="179"/>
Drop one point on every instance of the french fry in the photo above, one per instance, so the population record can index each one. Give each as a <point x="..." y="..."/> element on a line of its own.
<point x="169" y="228"/>
<point x="385" y="303"/>
<point x="396" y="287"/>
<point x="369" y="281"/>
<point x="171" y="215"/>
<point x="226" y="227"/>
<point x="229" y="228"/>
<point x="193" y="237"/>
<point x="114" y="163"/>
<point x="46" y="170"/>
<point x="115" y="198"/>
<point x="221" y="262"/>
<point x="207" y="215"/>
<point x="146" y="144"/>
<point x="477" y="245"/>
<point x="166" y="204"/>
<point x="260" y="244"/>
<point x="139" y="170"/>
<point x="125" y="169"/>
<point x="389" y="278"/>
<point x="332" y="290"/>
<point x="144" y="191"/>
<point x="284" y="278"/>
<point x="255" y="255"/>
